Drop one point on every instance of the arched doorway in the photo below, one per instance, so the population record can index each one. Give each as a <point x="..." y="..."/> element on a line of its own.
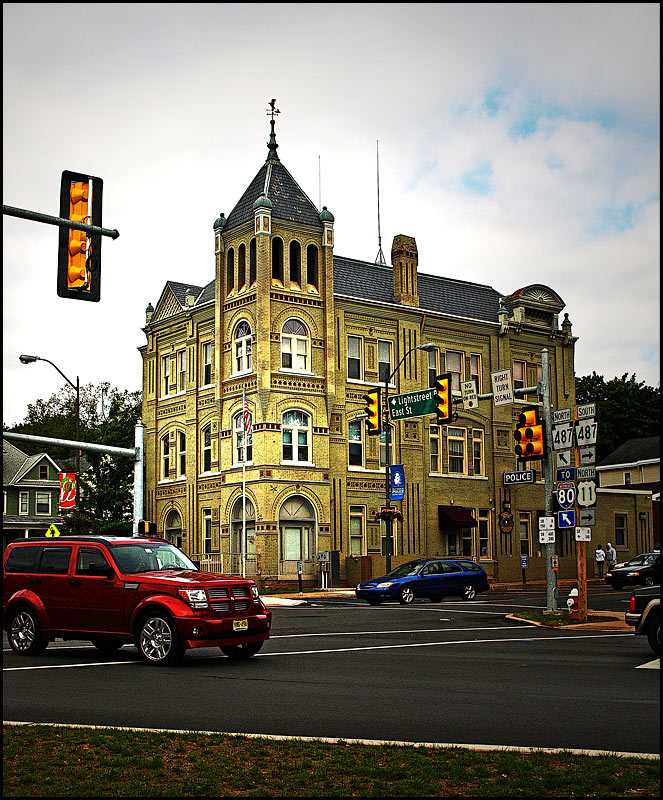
<point x="236" y="531"/>
<point x="297" y="540"/>
<point x="173" y="528"/>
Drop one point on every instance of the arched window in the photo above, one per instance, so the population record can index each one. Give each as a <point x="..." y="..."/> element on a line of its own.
<point x="206" y="449"/>
<point x="173" y="528"/>
<point x="295" y="436"/>
<point x="241" y="267"/>
<point x="312" y="266"/>
<point x="253" y="261"/>
<point x="230" y="271"/>
<point x="295" y="263"/>
<point x="165" y="457"/>
<point x="294" y="346"/>
<point x="243" y="449"/>
<point x="277" y="259"/>
<point x="242" y="349"/>
<point x="297" y="535"/>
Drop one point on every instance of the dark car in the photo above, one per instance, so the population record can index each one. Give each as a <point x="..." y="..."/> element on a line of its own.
<point x="426" y="577"/>
<point x="114" y="590"/>
<point x="642" y="570"/>
<point x="644" y="613"/>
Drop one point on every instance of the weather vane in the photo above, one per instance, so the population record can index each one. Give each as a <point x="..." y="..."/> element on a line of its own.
<point x="273" y="110"/>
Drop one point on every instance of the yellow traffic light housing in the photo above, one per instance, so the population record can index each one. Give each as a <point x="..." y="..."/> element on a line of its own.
<point x="79" y="252"/>
<point x="530" y="435"/>
<point x="373" y="412"/>
<point x="443" y="398"/>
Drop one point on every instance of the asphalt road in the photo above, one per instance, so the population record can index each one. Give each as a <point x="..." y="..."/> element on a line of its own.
<point x="449" y="672"/>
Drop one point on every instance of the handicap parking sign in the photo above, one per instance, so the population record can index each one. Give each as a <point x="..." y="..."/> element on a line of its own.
<point x="566" y="519"/>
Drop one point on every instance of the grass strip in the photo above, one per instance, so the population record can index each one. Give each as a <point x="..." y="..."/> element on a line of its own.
<point x="45" y="761"/>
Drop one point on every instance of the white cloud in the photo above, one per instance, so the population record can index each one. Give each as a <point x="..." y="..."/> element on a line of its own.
<point x="552" y="108"/>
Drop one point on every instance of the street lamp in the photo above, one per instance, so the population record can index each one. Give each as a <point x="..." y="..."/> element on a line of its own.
<point x="30" y="360"/>
<point x="427" y="347"/>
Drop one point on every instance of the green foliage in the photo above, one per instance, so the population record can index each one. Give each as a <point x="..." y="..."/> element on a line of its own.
<point x="107" y="416"/>
<point x="625" y="409"/>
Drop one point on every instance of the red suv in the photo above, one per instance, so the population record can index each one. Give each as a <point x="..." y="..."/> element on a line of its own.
<point x="113" y="591"/>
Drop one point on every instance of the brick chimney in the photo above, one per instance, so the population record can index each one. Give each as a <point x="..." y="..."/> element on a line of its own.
<point x="404" y="260"/>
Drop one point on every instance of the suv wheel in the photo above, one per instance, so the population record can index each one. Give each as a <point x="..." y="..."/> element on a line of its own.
<point x="158" y="640"/>
<point x="654" y="634"/>
<point x="24" y="634"/>
<point x="469" y="592"/>
<point x="240" y="652"/>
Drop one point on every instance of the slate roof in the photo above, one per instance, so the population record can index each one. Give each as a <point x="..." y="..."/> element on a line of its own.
<point x="633" y="450"/>
<point x="289" y="201"/>
<point x="367" y="281"/>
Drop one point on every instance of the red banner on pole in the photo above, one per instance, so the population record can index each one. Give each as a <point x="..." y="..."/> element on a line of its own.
<point x="67" y="490"/>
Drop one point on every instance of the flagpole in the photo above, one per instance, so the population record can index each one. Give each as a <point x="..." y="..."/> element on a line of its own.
<point x="244" y="484"/>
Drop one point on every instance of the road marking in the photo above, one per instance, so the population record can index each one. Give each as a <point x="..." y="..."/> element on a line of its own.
<point x="655" y="664"/>
<point x="343" y="740"/>
<point x="69" y="666"/>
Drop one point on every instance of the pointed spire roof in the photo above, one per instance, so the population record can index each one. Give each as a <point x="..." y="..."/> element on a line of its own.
<point x="289" y="201"/>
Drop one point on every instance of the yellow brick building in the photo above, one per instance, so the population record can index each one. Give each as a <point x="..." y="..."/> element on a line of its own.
<point x="303" y="334"/>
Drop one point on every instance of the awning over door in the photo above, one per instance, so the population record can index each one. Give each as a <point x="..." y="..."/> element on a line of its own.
<point x="455" y="517"/>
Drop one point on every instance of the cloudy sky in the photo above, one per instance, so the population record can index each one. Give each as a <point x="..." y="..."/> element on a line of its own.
<point x="519" y="143"/>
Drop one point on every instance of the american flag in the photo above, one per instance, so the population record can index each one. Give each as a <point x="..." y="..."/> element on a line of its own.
<point x="247" y="419"/>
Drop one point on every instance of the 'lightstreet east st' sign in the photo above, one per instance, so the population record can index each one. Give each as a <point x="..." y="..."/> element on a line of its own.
<point x="413" y="404"/>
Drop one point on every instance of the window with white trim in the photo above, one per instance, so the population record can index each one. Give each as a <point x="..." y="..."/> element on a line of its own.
<point x="207" y="529"/>
<point x="456" y="447"/>
<point x="355" y="444"/>
<point x="165" y="457"/>
<point x="207" y="448"/>
<point x="433" y="366"/>
<point x="384" y="360"/>
<point x="519" y="373"/>
<point x="357" y="530"/>
<point x="484" y="532"/>
<point x="181" y="454"/>
<point x="434" y="446"/>
<point x="242" y="348"/>
<point x="294" y="346"/>
<point x="206" y="364"/>
<point x="165" y="375"/>
<point x="475" y="371"/>
<point x="23" y="503"/>
<point x="243" y="449"/>
<point x="181" y="370"/>
<point x="354" y="357"/>
<point x="477" y="452"/>
<point x="295" y="433"/>
<point x="454" y="365"/>
<point x="43" y="503"/>
<point x="383" y="445"/>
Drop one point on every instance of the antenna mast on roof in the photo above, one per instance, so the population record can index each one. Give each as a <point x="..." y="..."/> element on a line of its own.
<point x="379" y="258"/>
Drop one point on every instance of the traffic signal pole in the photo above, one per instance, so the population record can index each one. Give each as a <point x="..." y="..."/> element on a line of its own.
<point x="548" y="465"/>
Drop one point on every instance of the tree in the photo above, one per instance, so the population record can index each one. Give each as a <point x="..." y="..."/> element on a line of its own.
<point x="625" y="409"/>
<point x="107" y="416"/>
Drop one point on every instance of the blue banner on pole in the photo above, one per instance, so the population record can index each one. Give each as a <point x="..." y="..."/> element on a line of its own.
<point x="397" y="474"/>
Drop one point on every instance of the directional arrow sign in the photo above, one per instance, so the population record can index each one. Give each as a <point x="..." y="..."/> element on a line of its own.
<point x="413" y="404"/>
<point x="566" y="519"/>
<point x="587" y="516"/>
<point x="587" y="455"/>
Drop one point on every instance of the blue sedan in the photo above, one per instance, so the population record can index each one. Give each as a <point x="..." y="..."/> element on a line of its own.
<point x="426" y="577"/>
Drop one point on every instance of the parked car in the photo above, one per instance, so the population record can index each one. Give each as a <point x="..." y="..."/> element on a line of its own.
<point x="426" y="577"/>
<point x="644" y="569"/>
<point x="644" y="612"/>
<point x="113" y="591"/>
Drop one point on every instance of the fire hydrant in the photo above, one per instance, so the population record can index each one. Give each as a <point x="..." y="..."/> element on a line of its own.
<point x="572" y="603"/>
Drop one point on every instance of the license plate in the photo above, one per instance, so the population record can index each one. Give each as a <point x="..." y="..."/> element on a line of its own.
<point x="240" y="624"/>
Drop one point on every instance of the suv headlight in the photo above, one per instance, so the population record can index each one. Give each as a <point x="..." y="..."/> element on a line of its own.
<point x="196" y="598"/>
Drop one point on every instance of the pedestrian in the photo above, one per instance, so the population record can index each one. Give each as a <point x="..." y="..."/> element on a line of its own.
<point x="610" y="556"/>
<point x="600" y="559"/>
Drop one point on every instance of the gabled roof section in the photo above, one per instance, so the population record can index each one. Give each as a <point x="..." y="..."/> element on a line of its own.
<point x="634" y="450"/>
<point x="16" y="464"/>
<point x="173" y="298"/>
<point x="368" y="281"/>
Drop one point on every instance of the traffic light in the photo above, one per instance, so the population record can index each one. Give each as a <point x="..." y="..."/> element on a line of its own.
<point x="79" y="252"/>
<point x="146" y="528"/>
<point x="530" y="435"/>
<point x="443" y="398"/>
<point x="373" y="412"/>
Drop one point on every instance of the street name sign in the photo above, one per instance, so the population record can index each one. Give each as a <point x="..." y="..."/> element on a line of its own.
<point x="413" y="404"/>
<point x="586" y="493"/>
<point x="470" y="395"/>
<point x="523" y="476"/>
<point x="583" y="534"/>
<point x="562" y="436"/>
<point x="566" y="519"/>
<point x="587" y="516"/>
<point x="502" y="387"/>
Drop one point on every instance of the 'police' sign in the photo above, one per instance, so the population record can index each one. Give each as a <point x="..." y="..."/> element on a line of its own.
<point x="522" y="476"/>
